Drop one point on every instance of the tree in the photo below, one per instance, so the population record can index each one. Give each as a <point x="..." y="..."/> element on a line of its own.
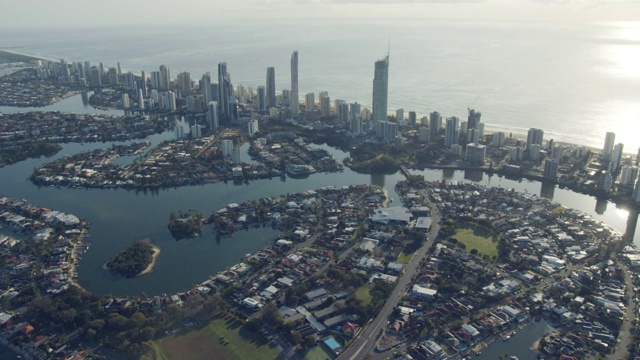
<point x="147" y="333"/>
<point x="271" y="315"/>
<point x="253" y="324"/>
<point x="117" y="322"/>
<point x="309" y="341"/>
<point x="296" y="337"/>
<point x="90" y="334"/>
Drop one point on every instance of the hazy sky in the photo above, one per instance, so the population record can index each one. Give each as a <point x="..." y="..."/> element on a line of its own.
<point x="82" y="13"/>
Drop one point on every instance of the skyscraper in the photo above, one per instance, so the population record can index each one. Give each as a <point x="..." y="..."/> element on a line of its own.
<point x="184" y="81"/>
<point x="435" y="123"/>
<point x="451" y="131"/>
<point x="354" y="109"/>
<point x="473" y="119"/>
<point x="205" y="86"/>
<point x="343" y="112"/>
<point x="609" y="141"/>
<point x="295" y="97"/>
<point x="534" y="136"/>
<point x="309" y="101"/>
<point x="262" y="102"/>
<point x="224" y="90"/>
<point x="212" y="115"/>
<point x="616" y="157"/>
<point x="271" y="87"/>
<point x="399" y="115"/>
<point x="550" y="169"/>
<point x="165" y="78"/>
<point x="380" y="90"/>
<point x="325" y="105"/>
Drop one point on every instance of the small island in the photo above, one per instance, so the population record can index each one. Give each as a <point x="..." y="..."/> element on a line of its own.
<point x="137" y="259"/>
<point x="185" y="225"/>
<point x="379" y="164"/>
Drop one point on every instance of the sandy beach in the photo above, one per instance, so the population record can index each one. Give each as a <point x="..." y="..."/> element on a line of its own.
<point x="73" y="268"/>
<point x="156" y="252"/>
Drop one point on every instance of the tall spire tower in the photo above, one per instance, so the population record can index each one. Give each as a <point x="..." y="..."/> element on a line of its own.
<point x="294" y="96"/>
<point x="380" y="89"/>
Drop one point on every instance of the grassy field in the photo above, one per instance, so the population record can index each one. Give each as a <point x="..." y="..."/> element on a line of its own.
<point x="477" y="238"/>
<point x="206" y="342"/>
<point x="363" y="295"/>
<point x="318" y="353"/>
<point x="404" y="258"/>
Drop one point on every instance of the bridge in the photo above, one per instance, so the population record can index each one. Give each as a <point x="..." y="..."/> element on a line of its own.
<point x="404" y="171"/>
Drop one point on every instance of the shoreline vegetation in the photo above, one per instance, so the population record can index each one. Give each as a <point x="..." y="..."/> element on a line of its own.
<point x="185" y="225"/>
<point x="138" y="259"/>
<point x="379" y="164"/>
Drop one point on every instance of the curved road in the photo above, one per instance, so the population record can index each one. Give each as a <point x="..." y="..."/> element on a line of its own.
<point x="366" y="341"/>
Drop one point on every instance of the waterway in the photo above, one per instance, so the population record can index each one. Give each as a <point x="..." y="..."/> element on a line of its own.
<point x="119" y="217"/>
<point x="74" y="104"/>
<point x="519" y="344"/>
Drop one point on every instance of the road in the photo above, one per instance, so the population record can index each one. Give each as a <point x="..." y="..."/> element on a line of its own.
<point x="366" y="341"/>
<point x="624" y="339"/>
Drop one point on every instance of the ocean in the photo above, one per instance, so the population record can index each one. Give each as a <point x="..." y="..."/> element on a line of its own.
<point x="574" y="81"/>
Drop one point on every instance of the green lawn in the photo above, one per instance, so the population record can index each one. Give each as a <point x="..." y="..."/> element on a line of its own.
<point x="404" y="258"/>
<point x="206" y="343"/>
<point x="363" y="295"/>
<point x="477" y="238"/>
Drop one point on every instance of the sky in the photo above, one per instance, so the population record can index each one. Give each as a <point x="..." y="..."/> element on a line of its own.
<point x="90" y="13"/>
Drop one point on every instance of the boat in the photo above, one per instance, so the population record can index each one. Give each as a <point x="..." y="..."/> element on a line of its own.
<point x="506" y="337"/>
<point x="514" y="357"/>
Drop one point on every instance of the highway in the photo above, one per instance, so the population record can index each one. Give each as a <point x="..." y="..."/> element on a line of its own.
<point x="366" y="341"/>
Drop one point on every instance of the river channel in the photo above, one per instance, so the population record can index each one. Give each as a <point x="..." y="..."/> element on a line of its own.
<point x="119" y="217"/>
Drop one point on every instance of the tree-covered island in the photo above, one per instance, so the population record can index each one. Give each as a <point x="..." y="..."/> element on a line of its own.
<point x="378" y="164"/>
<point x="185" y="225"/>
<point x="133" y="260"/>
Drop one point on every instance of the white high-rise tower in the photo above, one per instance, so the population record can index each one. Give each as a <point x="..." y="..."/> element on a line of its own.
<point x="294" y="96"/>
<point x="380" y="90"/>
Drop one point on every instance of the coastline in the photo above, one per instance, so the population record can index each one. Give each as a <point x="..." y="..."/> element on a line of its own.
<point x="490" y="128"/>
<point x="73" y="268"/>
<point x="154" y="257"/>
<point x="27" y="55"/>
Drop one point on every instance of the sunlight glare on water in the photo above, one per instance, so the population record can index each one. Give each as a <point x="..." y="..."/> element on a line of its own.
<point x="622" y="51"/>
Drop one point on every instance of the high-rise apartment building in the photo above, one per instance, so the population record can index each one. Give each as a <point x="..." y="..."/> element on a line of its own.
<point x="165" y="78"/>
<point x="309" y="102"/>
<point x="473" y="119"/>
<point x="399" y="116"/>
<point x="271" y="87"/>
<point x="294" y="95"/>
<point x="325" y="104"/>
<point x="609" y="141"/>
<point x="435" y="123"/>
<point x="262" y="98"/>
<point x="534" y="136"/>
<point x="225" y="91"/>
<point x="380" y="90"/>
<point x="184" y="81"/>
<point x="616" y="158"/>
<point x="550" y="169"/>
<point x="212" y="115"/>
<point x="451" y="132"/>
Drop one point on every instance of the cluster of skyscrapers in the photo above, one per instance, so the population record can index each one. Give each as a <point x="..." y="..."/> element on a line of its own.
<point x="220" y="102"/>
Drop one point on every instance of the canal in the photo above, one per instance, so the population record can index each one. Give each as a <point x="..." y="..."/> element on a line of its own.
<point x="119" y="217"/>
